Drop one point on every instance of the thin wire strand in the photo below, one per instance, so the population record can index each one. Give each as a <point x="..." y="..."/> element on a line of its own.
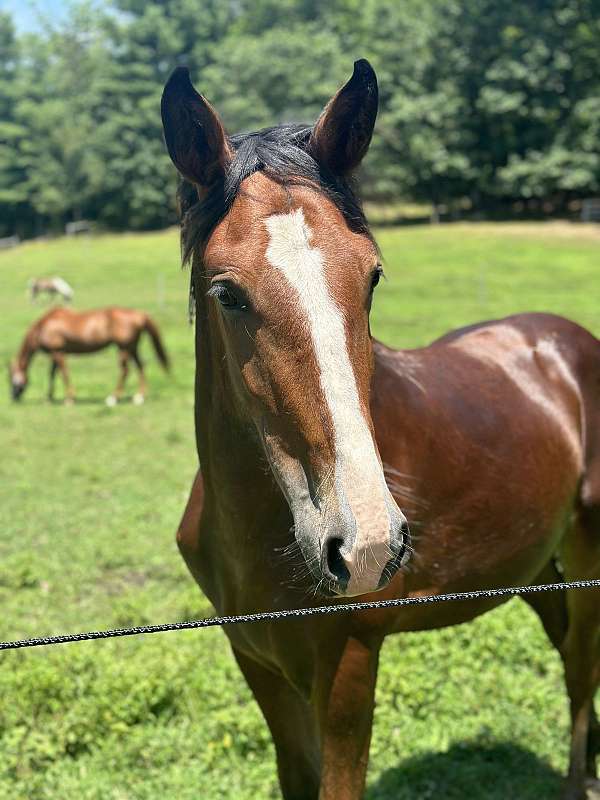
<point x="273" y="616"/>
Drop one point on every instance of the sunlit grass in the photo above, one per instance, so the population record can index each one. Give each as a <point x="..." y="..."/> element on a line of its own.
<point x="90" y="498"/>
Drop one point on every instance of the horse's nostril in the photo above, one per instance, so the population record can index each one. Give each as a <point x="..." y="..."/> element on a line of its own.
<point x="405" y="532"/>
<point x="405" y="544"/>
<point x="334" y="562"/>
<point x="334" y="555"/>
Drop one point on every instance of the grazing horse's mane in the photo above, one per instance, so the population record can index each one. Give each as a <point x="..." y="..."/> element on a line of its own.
<point x="280" y="153"/>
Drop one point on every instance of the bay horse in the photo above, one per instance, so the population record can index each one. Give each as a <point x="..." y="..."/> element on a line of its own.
<point x="312" y="437"/>
<point x="63" y="331"/>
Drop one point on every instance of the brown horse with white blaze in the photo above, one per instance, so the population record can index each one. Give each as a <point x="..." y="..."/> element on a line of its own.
<point x="63" y="332"/>
<point x="312" y="437"/>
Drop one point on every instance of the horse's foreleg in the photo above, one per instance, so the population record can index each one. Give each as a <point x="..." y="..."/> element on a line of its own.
<point x="582" y="673"/>
<point x="61" y="363"/>
<point x="53" y="370"/>
<point x="581" y="656"/>
<point x="114" y="398"/>
<point x="593" y="745"/>
<point x="346" y="705"/>
<point x="141" y="393"/>
<point x="551" y="607"/>
<point x="292" y="723"/>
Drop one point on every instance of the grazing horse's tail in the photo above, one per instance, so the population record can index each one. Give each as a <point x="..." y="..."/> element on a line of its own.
<point x="159" y="349"/>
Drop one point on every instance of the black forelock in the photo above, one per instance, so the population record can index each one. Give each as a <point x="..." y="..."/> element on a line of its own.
<point x="281" y="154"/>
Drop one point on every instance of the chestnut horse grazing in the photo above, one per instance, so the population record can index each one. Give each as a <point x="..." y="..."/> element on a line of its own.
<point x="62" y="332"/>
<point x="312" y="438"/>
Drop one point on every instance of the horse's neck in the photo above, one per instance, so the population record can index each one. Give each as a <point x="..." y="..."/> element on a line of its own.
<point x="27" y="349"/>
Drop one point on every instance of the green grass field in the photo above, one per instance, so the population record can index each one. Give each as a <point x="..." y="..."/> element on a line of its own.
<point x="90" y="498"/>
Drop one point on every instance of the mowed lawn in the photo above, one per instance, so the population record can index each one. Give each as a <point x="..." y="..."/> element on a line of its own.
<point x="90" y="498"/>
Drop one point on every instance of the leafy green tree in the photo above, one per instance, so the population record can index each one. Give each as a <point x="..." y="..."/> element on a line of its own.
<point x="481" y="101"/>
<point x="282" y="75"/>
<point x="57" y="104"/>
<point x="497" y="104"/>
<point x="13" y="194"/>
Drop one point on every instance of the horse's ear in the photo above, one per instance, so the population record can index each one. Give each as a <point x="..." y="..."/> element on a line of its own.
<point x="341" y="136"/>
<point x="194" y="134"/>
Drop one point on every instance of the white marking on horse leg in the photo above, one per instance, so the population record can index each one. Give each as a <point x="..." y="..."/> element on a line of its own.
<point x="138" y="399"/>
<point x="111" y="401"/>
<point x="358" y="474"/>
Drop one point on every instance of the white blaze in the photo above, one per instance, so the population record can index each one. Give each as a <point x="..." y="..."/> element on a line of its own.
<point x="357" y="467"/>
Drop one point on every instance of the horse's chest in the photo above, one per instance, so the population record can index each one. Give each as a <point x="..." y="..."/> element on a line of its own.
<point x="244" y="586"/>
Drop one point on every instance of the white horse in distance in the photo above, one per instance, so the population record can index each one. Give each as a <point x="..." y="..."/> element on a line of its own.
<point x="51" y="286"/>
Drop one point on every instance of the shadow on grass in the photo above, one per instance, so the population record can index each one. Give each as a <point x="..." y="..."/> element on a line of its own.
<point x="488" y="772"/>
<point x="79" y="401"/>
<point x="57" y="401"/>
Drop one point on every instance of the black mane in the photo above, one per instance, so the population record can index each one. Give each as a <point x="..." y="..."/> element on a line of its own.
<point x="280" y="153"/>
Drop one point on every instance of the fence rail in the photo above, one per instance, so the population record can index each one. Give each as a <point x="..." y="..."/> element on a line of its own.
<point x="274" y="616"/>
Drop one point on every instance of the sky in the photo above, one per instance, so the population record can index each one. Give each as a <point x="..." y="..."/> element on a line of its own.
<point x="25" y="13"/>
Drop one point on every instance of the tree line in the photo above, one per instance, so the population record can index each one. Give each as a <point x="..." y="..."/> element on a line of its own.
<point x="484" y="105"/>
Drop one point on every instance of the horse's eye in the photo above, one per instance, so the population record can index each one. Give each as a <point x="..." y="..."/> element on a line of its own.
<point x="376" y="276"/>
<point x="227" y="298"/>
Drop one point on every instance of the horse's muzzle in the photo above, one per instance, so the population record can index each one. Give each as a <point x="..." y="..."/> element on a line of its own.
<point x="16" y="391"/>
<point x="355" y="571"/>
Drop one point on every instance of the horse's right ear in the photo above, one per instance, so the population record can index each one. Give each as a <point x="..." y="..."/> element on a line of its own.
<point x="195" y="137"/>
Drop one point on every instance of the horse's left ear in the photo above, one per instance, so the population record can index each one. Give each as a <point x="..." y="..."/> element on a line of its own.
<point x="341" y="136"/>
